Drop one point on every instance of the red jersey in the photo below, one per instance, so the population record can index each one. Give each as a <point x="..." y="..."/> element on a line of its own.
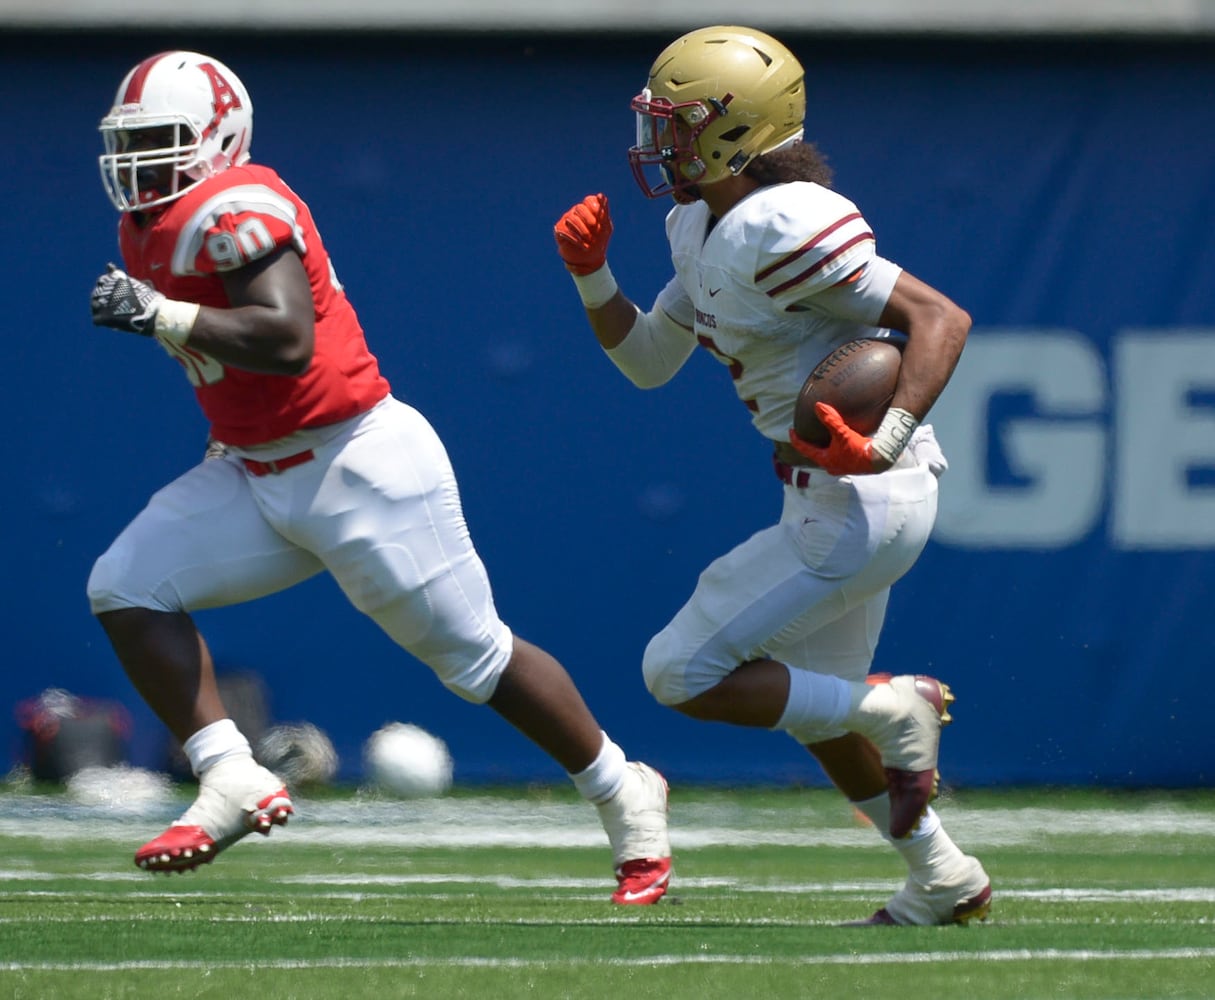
<point x="221" y="225"/>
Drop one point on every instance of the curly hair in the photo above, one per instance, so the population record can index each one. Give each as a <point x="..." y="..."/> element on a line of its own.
<point x="800" y="162"/>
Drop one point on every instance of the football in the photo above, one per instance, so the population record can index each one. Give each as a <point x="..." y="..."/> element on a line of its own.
<point x="858" y="380"/>
<point x="406" y="760"/>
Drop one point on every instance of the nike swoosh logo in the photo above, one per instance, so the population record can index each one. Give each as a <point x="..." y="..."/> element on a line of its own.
<point x="713" y="291"/>
<point x="155" y="267"/>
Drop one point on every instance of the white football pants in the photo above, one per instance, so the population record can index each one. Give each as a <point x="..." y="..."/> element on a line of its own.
<point x="378" y="508"/>
<point x="810" y="591"/>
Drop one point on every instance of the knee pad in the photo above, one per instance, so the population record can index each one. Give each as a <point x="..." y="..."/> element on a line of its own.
<point x="100" y="588"/>
<point x="662" y="678"/>
<point x="468" y="665"/>
<point x="673" y="676"/>
<point x="113" y="586"/>
<point x="476" y="682"/>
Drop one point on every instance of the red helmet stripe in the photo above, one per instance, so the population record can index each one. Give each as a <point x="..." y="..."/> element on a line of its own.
<point x="139" y="75"/>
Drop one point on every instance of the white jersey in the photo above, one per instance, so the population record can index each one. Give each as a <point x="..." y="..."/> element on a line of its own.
<point x="767" y="290"/>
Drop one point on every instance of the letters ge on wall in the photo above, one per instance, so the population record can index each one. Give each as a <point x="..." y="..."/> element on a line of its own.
<point x="1049" y="443"/>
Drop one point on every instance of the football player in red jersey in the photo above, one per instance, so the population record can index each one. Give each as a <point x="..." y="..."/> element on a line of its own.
<point x="320" y="468"/>
<point x="774" y="271"/>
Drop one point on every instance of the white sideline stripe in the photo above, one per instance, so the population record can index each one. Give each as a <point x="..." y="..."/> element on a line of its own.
<point x="372" y="883"/>
<point x="495" y="822"/>
<point x="849" y="958"/>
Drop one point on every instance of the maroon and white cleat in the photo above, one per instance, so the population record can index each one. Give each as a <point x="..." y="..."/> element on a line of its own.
<point x="956" y="897"/>
<point x="902" y="716"/>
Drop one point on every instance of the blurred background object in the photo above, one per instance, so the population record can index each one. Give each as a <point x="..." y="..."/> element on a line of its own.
<point x="299" y="753"/>
<point x="405" y="760"/>
<point x="1032" y="17"/>
<point x="65" y="733"/>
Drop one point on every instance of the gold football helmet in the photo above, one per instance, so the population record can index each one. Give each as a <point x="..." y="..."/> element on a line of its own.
<point x="716" y="98"/>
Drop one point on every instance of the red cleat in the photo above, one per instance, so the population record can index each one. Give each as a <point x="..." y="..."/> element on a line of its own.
<point x="642" y="882"/>
<point x="234" y="800"/>
<point x="635" y="820"/>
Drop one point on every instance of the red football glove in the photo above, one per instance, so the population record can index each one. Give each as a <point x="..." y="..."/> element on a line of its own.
<point x="846" y="454"/>
<point x="582" y="234"/>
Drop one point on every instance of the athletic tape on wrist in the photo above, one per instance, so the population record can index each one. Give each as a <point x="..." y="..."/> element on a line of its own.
<point x="597" y="288"/>
<point x="893" y="433"/>
<point x="174" y="320"/>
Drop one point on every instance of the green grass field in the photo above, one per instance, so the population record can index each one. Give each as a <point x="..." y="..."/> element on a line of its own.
<point x="503" y="893"/>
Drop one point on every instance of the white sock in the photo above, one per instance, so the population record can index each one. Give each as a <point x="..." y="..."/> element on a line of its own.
<point x="213" y="743"/>
<point x="925" y="849"/>
<point x="816" y="699"/>
<point x="604" y="776"/>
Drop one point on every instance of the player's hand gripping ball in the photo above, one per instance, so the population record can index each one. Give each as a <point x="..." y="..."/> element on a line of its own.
<point x="842" y="401"/>
<point x="856" y="380"/>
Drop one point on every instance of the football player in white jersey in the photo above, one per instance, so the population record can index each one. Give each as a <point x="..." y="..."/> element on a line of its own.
<point x="773" y="271"/>
<point x="319" y="469"/>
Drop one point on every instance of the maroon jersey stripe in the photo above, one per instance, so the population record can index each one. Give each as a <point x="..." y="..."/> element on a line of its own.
<point x="820" y="264"/>
<point x="806" y="247"/>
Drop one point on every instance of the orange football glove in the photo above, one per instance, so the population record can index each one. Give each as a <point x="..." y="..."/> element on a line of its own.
<point x="582" y="234"/>
<point x="846" y="454"/>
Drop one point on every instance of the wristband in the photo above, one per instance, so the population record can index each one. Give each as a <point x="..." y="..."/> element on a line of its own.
<point x="598" y="288"/>
<point x="174" y="320"/>
<point x="893" y="433"/>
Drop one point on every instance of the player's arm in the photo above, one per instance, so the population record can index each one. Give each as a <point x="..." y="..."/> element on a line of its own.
<point x="582" y="236"/>
<point x="648" y="347"/>
<point x="936" y="331"/>
<point x="268" y="327"/>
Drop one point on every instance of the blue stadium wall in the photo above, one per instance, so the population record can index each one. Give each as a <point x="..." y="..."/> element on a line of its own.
<point x="1062" y="192"/>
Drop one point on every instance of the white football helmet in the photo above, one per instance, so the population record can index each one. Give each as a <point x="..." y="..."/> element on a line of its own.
<point x="178" y="118"/>
<point x="716" y="98"/>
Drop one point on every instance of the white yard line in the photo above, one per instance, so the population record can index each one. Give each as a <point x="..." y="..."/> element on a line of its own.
<point x="848" y="958"/>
